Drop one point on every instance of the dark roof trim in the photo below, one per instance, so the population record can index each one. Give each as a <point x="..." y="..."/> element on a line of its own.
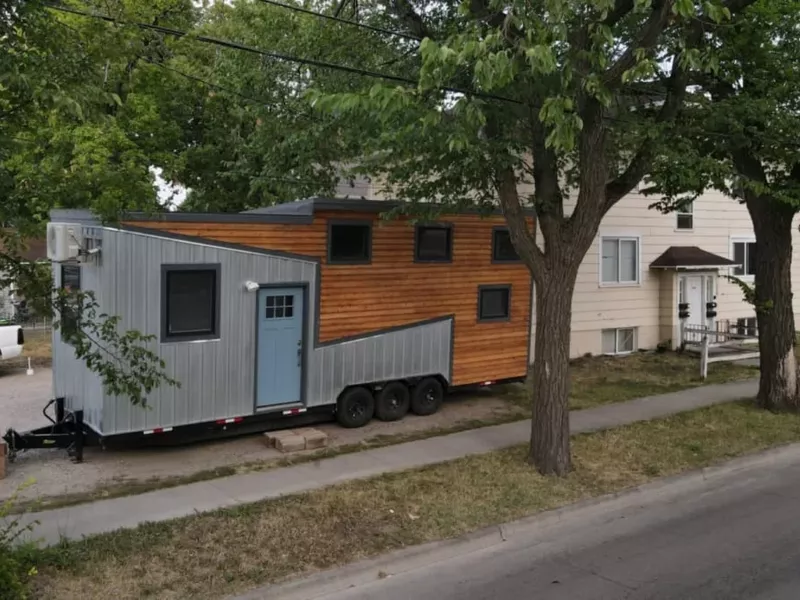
<point x="217" y="244"/>
<point x="187" y="217"/>
<point x="300" y="212"/>
<point x="690" y="257"/>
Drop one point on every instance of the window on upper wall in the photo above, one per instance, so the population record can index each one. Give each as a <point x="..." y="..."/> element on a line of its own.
<point x="502" y="248"/>
<point x="190" y="302"/>
<point x="685" y="217"/>
<point x="744" y="255"/>
<point x="433" y="243"/>
<point x="494" y="302"/>
<point x="349" y="243"/>
<point x="619" y="260"/>
<point x="619" y="341"/>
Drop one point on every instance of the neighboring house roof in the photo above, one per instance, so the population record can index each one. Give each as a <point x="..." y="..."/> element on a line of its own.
<point x="34" y="250"/>
<point x="690" y="257"/>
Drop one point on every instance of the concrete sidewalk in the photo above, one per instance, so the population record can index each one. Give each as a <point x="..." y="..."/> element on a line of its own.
<point x="74" y="522"/>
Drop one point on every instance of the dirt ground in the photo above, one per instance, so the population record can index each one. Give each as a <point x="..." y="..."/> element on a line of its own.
<point x="22" y="398"/>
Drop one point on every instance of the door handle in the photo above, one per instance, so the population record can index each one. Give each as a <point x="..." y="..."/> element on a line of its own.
<point x="299" y="355"/>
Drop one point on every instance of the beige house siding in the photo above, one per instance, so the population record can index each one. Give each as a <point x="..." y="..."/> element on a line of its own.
<point x="651" y="305"/>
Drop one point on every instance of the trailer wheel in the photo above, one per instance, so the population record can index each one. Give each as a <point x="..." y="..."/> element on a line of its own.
<point x="427" y="397"/>
<point x="355" y="407"/>
<point x="392" y="402"/>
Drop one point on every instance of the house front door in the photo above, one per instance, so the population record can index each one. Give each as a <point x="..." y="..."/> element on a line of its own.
<point x="279" y="364"/>
<point x="694" y="298"/>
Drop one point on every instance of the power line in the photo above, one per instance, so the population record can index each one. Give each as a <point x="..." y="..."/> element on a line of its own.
<point x="320" y="64"/>
<point x="337" y="19"/>
<point x="274" y="55"/>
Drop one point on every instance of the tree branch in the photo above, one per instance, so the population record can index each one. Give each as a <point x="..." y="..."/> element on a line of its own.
<point x="646" y="39"/>
<point x="521" y="236"/>
<point x="404" y="10"/>
<point x="622" y="9"/>
<point x="641" y="161"/>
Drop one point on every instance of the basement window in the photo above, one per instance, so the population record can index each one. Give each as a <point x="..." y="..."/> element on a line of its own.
<point x="349" y="243"/>
<point x="502" y="248"/>
<point x="494" y="302"/>
<point x="619" y="341"/>
<point x="433" y="243"/>
<point x="190" y="302"/>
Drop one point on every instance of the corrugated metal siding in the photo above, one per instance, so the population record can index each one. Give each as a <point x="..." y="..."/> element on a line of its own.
<point x="420" y="350"/>
<point x="218" y="376"/>
<point x="80" y="388"/>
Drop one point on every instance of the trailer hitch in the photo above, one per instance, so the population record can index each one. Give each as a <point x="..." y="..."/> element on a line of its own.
<point x="66" y="431"/>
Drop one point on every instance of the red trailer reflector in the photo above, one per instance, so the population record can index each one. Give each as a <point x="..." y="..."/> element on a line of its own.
<point x="157" y="430"/>
<point x="294" y="411"/>
<point x="229" y="421"/>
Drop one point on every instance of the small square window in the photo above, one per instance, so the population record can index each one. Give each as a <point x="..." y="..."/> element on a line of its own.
<point x="434" y="243"/>
<point x="494" y="303"/>
<point x="349" y="243"/>
<point x="190" y="302"/>
<point x="502" y="248"/>
<point x="279" y="307"/>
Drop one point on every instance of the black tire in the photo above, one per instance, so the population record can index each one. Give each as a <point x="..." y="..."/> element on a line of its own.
<point x="355" y="407"/>
<point x="427" y="397"/>
<point x="392" y="402"/>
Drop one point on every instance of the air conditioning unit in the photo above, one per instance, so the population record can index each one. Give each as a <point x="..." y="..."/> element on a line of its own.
<point x="63" y="241"/>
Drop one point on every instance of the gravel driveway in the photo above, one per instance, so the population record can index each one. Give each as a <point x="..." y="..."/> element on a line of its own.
<point x="22" y="398"/>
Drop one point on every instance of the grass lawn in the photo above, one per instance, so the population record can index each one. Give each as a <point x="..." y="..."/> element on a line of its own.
<point x="228" y="551"/>
<point x="601" y="380"/>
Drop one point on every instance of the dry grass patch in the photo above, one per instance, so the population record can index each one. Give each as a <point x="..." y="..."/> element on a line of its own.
<point x="211" y="555"/>
<point x="599" y="380"/>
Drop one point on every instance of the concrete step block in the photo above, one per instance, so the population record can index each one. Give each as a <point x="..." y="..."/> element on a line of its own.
<point x="290" y="443"/>
<point x="271" y="437"/>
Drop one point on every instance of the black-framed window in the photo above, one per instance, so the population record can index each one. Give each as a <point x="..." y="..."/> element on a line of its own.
<point x="349" y="242"/>
<point x="494" y="302"/>
<point x="502" y="248"/>
<point x="190" y="302"/>
<point x="70" y="277"/>
<point x="433" y="243"/>
<point x="69" y="304"/>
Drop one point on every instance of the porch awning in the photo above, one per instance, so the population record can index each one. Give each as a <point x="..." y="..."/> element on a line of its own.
<point x="690" y="257"/>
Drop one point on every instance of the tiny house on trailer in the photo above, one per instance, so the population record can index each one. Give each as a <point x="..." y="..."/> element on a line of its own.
<point x="317" y="306"/>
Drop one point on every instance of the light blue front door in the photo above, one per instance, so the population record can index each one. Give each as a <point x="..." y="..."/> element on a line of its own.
<point x="280" y="346"/>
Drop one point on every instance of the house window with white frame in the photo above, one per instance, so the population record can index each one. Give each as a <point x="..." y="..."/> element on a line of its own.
<point x="619" y="341"/>
<point x="619" y="260"/>
<point x="685" y="217"/>
<point x="744" y="255"/>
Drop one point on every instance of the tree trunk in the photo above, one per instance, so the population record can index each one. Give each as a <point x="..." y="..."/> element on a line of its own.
<point x="772" y="222"/>
<point x="550" y="443"/>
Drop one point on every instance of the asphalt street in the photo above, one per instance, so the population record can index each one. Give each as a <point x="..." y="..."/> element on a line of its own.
<point x="733" y="533"/>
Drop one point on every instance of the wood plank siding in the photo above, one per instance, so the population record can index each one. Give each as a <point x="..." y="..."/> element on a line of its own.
<point x="394" y="290"/>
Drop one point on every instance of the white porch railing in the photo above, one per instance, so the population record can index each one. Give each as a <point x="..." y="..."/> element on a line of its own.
<point x="726" y="341"/>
